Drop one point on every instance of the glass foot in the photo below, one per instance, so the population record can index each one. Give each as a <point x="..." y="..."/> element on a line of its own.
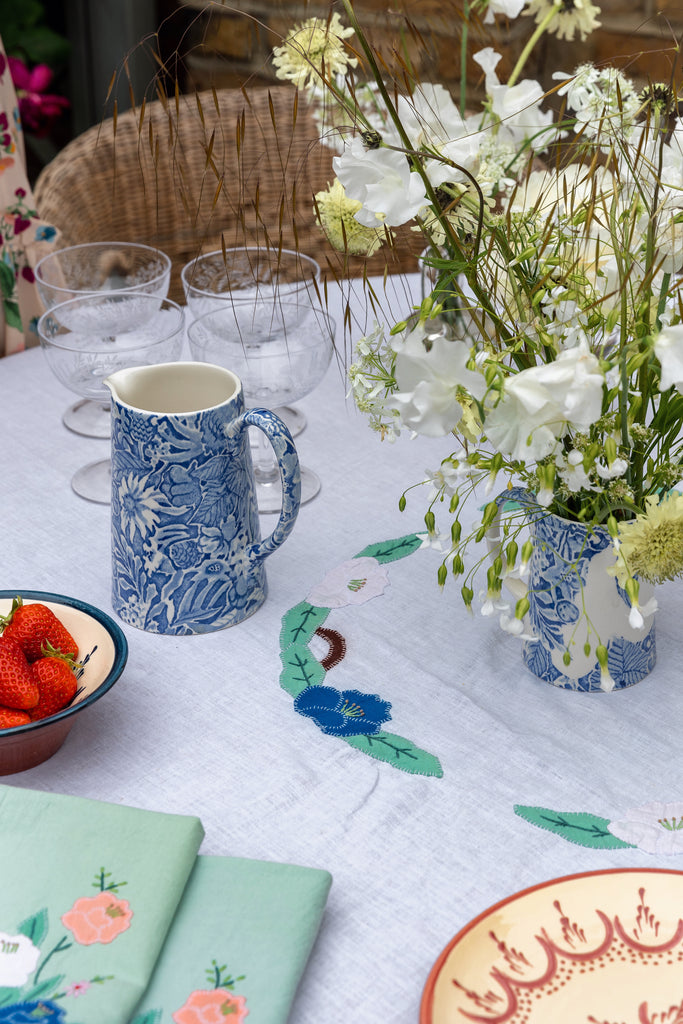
<point x="93" y="482"/>
<point x="269" y="495"/>
<point x="91" y="419"/>
<point x="293" y="418"/>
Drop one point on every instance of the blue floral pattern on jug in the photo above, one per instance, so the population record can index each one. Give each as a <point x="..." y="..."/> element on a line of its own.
<point x="559" y="582"/>
<point x="187" y="556"/>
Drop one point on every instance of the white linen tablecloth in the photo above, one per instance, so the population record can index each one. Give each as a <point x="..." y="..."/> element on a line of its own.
<point x="201" y="726"/>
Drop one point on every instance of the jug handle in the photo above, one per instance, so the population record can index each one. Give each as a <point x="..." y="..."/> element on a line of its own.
<point x="290" y="476"/>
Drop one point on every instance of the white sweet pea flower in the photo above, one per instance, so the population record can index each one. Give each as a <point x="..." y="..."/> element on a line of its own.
<point x="382" y="181"/>
<point x="509" y="8"/>
<point x="572" y="473"/>
<point x="669" y="351"/>
<point x="541" y="403"/>
<point x="429" y="382"/>
<point x="617" y="469"/>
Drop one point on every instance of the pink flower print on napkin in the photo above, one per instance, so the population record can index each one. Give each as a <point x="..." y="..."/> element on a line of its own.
<point x="352" y="582"/>
<point x="78" y="988"/>
<point x="212" y="1006"/>
<point x="98" y="918"/>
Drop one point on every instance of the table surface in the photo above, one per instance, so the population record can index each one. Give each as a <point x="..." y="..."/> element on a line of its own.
<point x="200" y="725"/>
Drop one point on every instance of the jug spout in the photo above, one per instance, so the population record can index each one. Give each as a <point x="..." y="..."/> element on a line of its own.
<point x="173" y="388"/>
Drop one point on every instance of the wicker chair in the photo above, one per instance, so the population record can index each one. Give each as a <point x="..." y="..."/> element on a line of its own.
<point x="184" y="175"/>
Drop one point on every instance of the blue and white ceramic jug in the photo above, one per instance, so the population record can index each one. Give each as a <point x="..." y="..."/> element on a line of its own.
<point x="186" y="550"/>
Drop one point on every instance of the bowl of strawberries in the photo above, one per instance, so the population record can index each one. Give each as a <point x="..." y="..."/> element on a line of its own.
<point x="58" y="655"/>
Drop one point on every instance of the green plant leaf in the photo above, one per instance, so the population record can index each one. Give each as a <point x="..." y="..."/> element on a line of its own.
<point x="391" y="550"/>
<point x="12" y="314"/>
<point x="9" y="996"/>
<point x="398" y="752"/>
<point x="300" y="670"/>
<point x="7" y="280"/>
<point x="580" y="828"/>
<point x="300" y="623"/>
<point x="35" y="927"/>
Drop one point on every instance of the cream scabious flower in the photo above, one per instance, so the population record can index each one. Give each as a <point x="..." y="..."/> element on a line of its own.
<point x="651" y="545"/>
<point x="336" y="214"/>
<point x="541" y="403"/>
<point x="311" y="49"/>
<point x="569" y="17"/>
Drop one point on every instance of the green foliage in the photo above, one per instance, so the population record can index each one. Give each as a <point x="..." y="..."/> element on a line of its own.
<point x="25" y="34"/>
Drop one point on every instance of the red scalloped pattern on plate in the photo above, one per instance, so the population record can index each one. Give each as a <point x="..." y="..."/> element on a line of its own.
<point x="599" y="948"/>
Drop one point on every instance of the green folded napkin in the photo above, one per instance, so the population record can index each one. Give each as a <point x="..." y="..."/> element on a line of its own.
<point x="238" y="945"/>
<point x="89" y="891"/>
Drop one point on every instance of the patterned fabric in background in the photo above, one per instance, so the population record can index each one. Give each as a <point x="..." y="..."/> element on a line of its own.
<point x="24" y="238"/>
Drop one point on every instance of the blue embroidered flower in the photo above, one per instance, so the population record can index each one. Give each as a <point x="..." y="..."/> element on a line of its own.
<point x="32" y="1013"/>
<point x="44" y="233"/>
<point x="343" y="712"/>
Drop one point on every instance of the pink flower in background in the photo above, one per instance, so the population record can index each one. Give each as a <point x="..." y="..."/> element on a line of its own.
<point x="212" y="1006"/>
<point x="37" y="108"/>
<point x="78" y="988"/>
<point x="98" y="918"/>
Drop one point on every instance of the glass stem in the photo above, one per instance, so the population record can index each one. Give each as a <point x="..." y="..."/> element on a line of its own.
<point x="266" y="469"/>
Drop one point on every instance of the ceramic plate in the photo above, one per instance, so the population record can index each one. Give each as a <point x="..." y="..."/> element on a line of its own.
<point x="604" y="947"/>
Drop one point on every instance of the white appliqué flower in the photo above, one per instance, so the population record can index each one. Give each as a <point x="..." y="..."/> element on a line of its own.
<point x="18" y="960"/>
<point x="382" y="181"/>
<point x="428" y="382"/>
<point x="353" y="582"/>
<point x="655" y="828"/>
<point x="540" y="403"/>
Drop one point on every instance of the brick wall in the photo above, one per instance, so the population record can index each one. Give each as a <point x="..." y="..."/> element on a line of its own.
<point x="232" y="48"/>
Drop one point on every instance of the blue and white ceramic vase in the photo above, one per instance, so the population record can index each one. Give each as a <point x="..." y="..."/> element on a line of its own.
<point x="576" y="605"/>
<point x="187" y="556"/>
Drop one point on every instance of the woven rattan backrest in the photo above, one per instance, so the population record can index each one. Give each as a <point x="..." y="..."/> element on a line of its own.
<point x="181" y="176"/>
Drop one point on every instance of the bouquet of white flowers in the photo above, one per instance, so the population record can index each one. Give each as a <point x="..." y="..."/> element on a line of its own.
<point x="548" y="350"/>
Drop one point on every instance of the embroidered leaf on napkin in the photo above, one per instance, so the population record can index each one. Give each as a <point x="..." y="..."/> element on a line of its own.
<point x="395" y="750"/>
<point x="300" y="623"/>
<point x="35" y="927"/>
<point x="580" y="828"/>
<point x="300" y="670"/>
<point x="391" y="550"/>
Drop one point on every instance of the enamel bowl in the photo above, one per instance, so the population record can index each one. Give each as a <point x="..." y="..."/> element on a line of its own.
<point x="102" y="651"/>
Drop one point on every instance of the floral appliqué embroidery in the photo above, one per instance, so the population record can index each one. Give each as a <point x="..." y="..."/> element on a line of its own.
<point x="206" y="1005"/>
<point x="25" y="994"/>
<point x="349" y="714"/>
<point x="655" y="828"/>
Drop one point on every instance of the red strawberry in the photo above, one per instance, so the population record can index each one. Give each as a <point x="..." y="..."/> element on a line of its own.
<point x="18" y="687"/>
<point x="9" y="717"/>
<point x="56" y="681"/>
<point x="33" y="625"/>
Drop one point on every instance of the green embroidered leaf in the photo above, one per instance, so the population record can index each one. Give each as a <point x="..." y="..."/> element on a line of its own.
<point x="12" y="314"/>
<point x="35" y="927"/>
<point x="43" y="989"/>
<point x="300" y="670"/>
<point x="8" y="996"/>
<point x="391" y="550"/>
<point x="398" y="752"/>
<point x="150" y="1017"/>
<point x="300" y="623"/>
<point x="580" y="828"/>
